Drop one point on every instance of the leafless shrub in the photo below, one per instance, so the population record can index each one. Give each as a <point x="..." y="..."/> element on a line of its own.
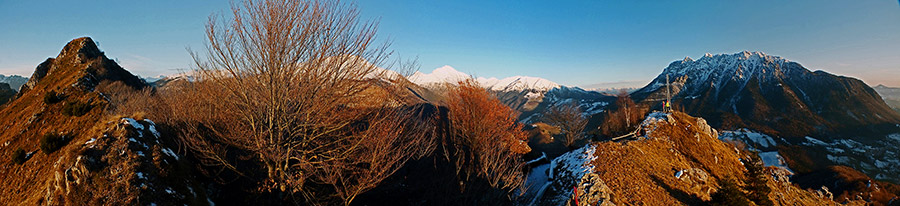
<point x="125" y="100"/>
<point x="625" y="118"/>
<point x="570" y="119"/>
<point x="485" y="141"/>
<point x="286" y="87"/>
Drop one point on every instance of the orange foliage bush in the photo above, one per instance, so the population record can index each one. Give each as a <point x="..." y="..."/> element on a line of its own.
<point x="485" y="141"/>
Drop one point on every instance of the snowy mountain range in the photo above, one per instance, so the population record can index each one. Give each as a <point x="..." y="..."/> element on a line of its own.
<point x="14" y="81"/>
<point x="768" y="93"/>
<point x="891" y="96"/>
<point x="448" y="75"/>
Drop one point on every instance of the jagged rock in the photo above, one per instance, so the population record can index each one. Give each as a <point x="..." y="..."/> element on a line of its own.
<point x="705" y="128"/>
<point x="824" y="193"/>
<point x="126" y="165"/>
<point x="592" y="191"/>
<point x="39" y="73"/>
<point x="82" y="58"/>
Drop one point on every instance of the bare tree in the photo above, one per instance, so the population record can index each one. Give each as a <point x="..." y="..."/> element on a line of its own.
<point x="287" y="86"/>
<point x="625" y="118"/>
<point x="570" y="119"/>
<point x="485" y="141"/>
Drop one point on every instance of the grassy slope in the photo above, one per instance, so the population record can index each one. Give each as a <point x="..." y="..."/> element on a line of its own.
<point x="643" y="171"/>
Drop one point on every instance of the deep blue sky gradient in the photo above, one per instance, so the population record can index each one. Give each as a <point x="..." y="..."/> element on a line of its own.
<point x="581" y="43"/>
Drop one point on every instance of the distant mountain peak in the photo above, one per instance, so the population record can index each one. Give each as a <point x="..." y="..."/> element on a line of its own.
<point x="441" y="75"/>
<point x="741" y="65"/>
<point x="767" y="90"/>
<point x="82" y="61"/>
<point x="82" y="45"/>
<point x="518" y="83"/>
<point x="448" y="75"/>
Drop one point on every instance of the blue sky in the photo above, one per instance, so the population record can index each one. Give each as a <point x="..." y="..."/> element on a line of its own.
<point x="581" y="43"/>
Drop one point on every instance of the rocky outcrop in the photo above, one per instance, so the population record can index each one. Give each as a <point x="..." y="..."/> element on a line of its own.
<point x="81" y="60"/>
<point x="126" y="165"/>
<point x="592" y="191"/>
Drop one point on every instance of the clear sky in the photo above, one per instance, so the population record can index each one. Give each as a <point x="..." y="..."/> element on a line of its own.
<point x="580" y="43"/>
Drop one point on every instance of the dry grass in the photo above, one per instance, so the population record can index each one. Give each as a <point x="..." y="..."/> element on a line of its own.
<point x="642" y="172"/>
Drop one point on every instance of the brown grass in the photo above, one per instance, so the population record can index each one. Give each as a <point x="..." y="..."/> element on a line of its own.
<point x="642" y="172"/>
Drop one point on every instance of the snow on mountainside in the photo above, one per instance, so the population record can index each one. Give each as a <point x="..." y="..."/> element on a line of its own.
<point x="448" y="75"/>
<point x="768" y="93"/>
<point x="441" y="75"/>
<point x="718" y="70"/>
<point x="517" y="83"/>
<point x="891" y="96"/>
<point x="14" y="81"/>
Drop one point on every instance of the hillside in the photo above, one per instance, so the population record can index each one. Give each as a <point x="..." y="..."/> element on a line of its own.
<point x="677" y="161"/>
<point x="6" y="93"/>
<point x="60" y="148"/>
<point x="771" y="94"/>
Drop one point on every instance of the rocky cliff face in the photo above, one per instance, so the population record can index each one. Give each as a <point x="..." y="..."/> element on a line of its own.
<point x="124" y="162"/>
<point x="82" y="65"/>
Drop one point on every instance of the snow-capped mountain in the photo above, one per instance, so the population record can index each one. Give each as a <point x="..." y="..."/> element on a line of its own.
<point x="448" y="75"/>
<point x="812" y="119"/>
<point x="768" y="93"/>
<point x="891" y="96"/>
<point x="517" y="83"/>
<point x="14" y="81"/>
<point x="528" y="95"/>
<point x="442" y="75"/>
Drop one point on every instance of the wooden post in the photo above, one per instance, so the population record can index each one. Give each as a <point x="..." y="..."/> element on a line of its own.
<point x="668" y="102"/>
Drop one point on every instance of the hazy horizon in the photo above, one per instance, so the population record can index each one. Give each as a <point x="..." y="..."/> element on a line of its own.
<point x="586" y="44"/>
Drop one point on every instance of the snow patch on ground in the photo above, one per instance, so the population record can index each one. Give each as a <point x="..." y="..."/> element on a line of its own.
<point x="749" y="136"/>
<point x="537" y="178"/>
<point x="170" y="153"/>
<point x="654" y="118"/>
<point x="576" y="163"/>
<point x="773" y="159"/>
<point x="839" y="159"/>
<point x="152" y="128"/>
<point x="133" y="123"/>
<point x="815" y="141"/>
<point x="894" y="136"/>
<point x="569" y="169"/>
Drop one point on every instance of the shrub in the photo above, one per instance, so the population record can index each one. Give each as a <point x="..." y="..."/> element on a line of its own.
<point x="52" y="142"/>
<point x="729" y="194"/>
<point x="76" y="108"/>
<point x="485" y="141"/>
<point x="757" y="190"/>
<point x="52" y="97"/>
<point x="311" y="130"/>
<point x="625" y="118"/>
<point x="18" y="156"/>
<point x="570" y="119"/>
